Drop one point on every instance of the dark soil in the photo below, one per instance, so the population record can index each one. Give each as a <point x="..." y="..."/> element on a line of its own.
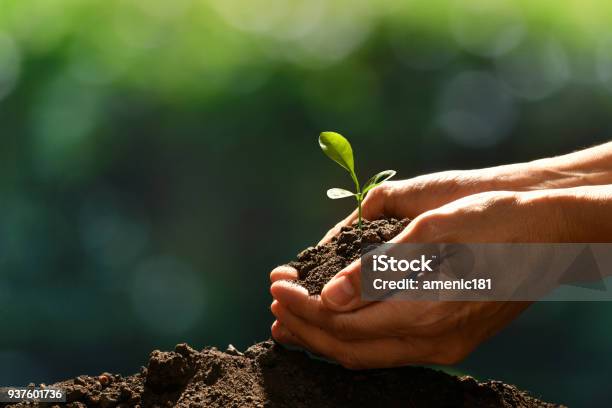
<point x="317" y="265"/>
<point x="268" y="375"/>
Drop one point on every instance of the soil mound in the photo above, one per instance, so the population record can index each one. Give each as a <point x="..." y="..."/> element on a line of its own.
<point x="267" y="375"/>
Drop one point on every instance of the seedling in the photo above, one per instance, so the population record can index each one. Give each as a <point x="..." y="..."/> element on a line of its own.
<point x="337" y="148"/>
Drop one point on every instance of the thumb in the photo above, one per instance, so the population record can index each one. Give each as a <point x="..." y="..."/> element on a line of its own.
<point x="343" y="292"/>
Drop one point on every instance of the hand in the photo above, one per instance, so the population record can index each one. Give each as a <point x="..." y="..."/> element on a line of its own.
<point x="412" y="197"/>
<point x="357" y="334"/>
<point x="409" y="198"/>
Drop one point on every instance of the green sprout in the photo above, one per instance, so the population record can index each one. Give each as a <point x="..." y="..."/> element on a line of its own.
<point x="337" y="148"/>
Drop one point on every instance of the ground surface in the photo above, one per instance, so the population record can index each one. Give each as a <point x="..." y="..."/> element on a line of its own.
<point x="268" y="375"/>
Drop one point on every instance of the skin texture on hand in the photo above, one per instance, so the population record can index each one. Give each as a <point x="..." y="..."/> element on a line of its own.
<point x="340" y="326"/>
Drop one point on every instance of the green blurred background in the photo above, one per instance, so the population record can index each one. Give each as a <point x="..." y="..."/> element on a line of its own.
<point x="158" y="158"/>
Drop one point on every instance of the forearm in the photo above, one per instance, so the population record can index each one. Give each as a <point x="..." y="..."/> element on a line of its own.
<point x="578" y="214"/>
<point x="411" y="197"/>
<point x="591" y="166"/>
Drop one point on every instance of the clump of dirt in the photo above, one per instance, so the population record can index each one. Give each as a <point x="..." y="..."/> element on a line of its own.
<point x="317" y="265"/>
<point x="268" y="376"/>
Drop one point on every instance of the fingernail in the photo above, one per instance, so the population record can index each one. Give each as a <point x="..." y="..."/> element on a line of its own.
<point x="339" y="291"/>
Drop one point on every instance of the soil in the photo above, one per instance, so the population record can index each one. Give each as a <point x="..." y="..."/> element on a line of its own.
<point x="268" y="375"/>
<point x="317" y="265"/>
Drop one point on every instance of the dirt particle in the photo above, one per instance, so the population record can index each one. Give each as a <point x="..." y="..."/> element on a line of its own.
<point x="104" y="380"/>
<point x="170" y="370"/>
<point x="233" y="351"/>
<point x="80" y="380"/>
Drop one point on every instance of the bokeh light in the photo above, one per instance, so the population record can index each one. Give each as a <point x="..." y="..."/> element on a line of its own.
<point x="535" y="70"/>
<point x="167" y="295"/>
<point x="475" y="110"/>
<point x="9" y="64"/>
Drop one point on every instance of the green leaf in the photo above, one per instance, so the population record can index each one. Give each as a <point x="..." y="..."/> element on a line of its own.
<point x="378" y="179"/>
<point x="336" y="193"/>
<point x="337" y="148"/>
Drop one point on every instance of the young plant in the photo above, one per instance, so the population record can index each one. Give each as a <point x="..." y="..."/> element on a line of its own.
<point x="337" y="148"/>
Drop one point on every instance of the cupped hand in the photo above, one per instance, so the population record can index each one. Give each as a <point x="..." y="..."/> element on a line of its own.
<point x="339" y="325"/>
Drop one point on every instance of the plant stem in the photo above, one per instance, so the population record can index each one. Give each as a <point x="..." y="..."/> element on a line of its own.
<point x="359" y="200"/>
<point x="358" y="196"/>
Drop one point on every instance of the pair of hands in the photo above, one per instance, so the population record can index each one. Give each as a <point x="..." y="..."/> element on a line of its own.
<point x="446" y="207"/>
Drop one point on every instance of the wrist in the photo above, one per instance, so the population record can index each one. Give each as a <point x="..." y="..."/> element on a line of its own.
<point x="511" y="177"/>
<point x="535" y="175"/>
<point x="579" y="214"/>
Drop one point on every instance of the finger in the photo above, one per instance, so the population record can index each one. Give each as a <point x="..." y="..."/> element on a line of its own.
<point x="281" y="334"/>
<point x="288" y="289"/>
<point x="382" y="352"/>
<point x="375" y="204"/>
<point x="343" y="292"/>
<point x="390" y="318"/>
<point x="375" y="321"/>
<point x="336" y="229"/>
<point x="283" y="272"/>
